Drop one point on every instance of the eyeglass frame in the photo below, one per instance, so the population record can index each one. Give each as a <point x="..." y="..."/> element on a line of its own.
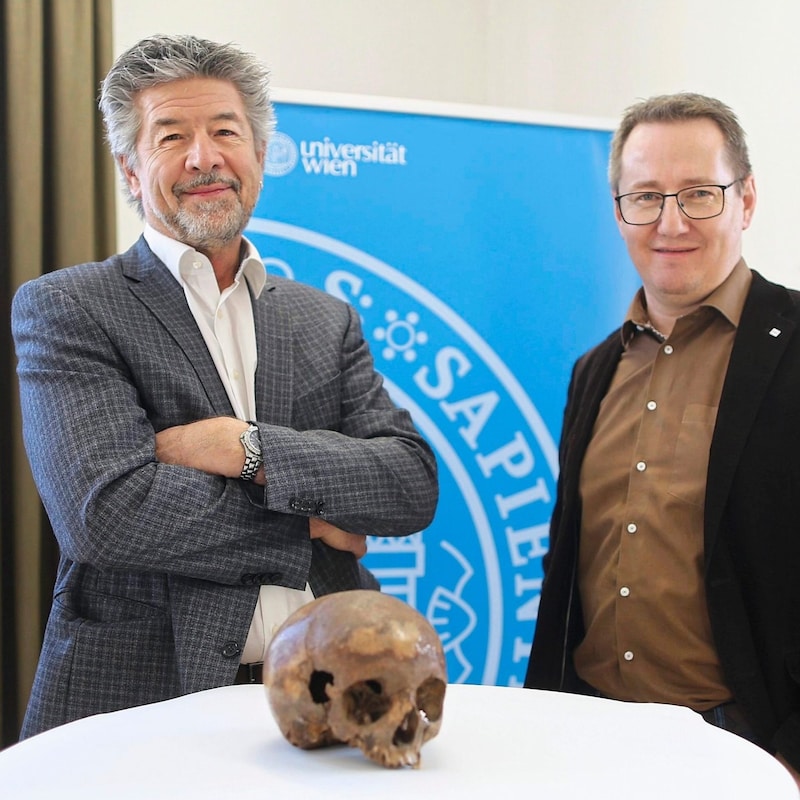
<point x="664" y="197"/>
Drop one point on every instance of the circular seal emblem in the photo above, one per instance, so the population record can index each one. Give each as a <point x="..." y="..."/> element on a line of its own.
<point x="282" y="155"/>
<point x="475" y="572"/>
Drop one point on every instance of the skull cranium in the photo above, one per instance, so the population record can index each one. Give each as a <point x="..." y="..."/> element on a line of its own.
<point x="358" y="667"/>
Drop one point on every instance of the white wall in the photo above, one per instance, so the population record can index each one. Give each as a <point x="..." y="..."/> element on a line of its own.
<point x="577" y="57"/>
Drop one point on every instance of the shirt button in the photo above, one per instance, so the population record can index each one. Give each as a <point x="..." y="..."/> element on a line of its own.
<point x="668" y="349"/>
<point x="624" y="591"/>
<point x="197" y="264"/>
<point x="641" y="466"/>
<point x="632" y="527"/>
<point x="651" y="406"/>
<point x="628" y="655"/>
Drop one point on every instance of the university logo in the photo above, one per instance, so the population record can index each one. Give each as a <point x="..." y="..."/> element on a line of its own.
<point x="329" y="158"/>
<point x="475" y="572"/>
<point x="282" y="155"/>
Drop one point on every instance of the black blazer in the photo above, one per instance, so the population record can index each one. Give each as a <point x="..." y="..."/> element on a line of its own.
<point x="752" y="520"/>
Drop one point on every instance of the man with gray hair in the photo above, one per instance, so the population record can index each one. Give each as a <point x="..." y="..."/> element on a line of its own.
<point x="212" y="445"/>
<point x="673" y="573"/>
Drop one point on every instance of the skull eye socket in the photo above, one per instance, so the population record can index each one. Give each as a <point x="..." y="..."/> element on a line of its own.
<point x="318" y="685"/>
<point x="430" y="698"/>
<point x="364" y="702"/>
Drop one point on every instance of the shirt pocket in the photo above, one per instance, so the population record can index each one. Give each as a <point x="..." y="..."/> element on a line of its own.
<point x="690" y="462"/>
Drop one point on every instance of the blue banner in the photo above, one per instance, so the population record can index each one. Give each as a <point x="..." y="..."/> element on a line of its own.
<point x="483" y="258"/>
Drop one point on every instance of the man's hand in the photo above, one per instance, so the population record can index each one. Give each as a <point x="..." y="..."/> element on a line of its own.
<point x="211" y="445"/>
<point x="354" y="543"/>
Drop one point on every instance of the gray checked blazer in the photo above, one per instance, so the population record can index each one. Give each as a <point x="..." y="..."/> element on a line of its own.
<point x="160" y="565"/>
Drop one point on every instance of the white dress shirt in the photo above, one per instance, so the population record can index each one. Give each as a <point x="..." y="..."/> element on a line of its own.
<point x="225" y="320"/>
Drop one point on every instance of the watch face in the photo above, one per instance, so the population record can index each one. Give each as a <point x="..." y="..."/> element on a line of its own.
<point x="252" y="440"/>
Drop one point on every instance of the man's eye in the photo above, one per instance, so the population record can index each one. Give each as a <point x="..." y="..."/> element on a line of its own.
<point x="646" y="198"/>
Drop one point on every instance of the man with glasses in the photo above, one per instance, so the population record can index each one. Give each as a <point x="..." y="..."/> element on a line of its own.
<point x="673" y="574"/>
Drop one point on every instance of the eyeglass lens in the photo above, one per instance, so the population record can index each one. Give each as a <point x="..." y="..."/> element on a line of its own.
<point x="697" y="202"/>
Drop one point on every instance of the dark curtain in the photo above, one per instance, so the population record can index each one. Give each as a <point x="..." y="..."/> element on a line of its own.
<point x="56" y="209"/>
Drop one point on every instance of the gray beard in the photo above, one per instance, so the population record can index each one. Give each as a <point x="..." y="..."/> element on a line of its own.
<point x="208" y="226"/>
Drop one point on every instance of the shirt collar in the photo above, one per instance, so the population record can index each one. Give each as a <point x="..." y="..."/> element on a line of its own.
<point x="177" y="255"/>
<point x="728" y="299"/>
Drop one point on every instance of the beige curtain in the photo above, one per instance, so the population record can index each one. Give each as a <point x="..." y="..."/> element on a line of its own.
<point x="56" y="209"/>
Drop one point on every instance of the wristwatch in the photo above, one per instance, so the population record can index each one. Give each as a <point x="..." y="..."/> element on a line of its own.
<point x="253" y="458"/>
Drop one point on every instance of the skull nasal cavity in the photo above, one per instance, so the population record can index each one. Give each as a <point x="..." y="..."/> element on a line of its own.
<point x="364" y="702"/>
<point x="318" y="684"/>
<point x="407" y="731"/>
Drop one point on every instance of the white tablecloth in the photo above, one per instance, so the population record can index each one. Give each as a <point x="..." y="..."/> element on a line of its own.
<point x="495" y="743"/>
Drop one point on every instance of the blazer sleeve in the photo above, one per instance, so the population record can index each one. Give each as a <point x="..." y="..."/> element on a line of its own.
<point x="351" y="455"/>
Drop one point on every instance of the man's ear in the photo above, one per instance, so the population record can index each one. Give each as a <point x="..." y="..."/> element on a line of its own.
<point x="748" y="200"/>
<point x="130" y="176"/>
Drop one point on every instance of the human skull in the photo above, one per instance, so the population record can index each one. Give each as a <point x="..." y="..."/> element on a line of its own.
<point x="357" y="667"/>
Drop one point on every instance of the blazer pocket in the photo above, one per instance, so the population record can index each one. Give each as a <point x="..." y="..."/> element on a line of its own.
<point x="320" y="408"/>
<point x="99" y="608"/>
<point x="110" y="653"/>
<point x="690" y="461"/>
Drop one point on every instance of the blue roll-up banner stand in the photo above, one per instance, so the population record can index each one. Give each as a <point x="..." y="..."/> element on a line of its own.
<point x="480" y="249"/>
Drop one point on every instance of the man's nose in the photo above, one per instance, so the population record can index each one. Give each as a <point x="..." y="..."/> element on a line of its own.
<point x="672" y="219"/>
<point x="203" y="155"/>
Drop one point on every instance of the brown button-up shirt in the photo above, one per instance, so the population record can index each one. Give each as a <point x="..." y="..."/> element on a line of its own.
<point x="648" y="636"/>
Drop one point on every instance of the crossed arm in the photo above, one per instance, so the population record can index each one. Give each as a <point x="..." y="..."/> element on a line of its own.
<point x="212" y="445"/>
<point x="103" y="388"/>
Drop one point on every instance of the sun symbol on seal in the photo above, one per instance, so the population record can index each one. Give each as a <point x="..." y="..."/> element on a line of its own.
<point x="400" y="335"/>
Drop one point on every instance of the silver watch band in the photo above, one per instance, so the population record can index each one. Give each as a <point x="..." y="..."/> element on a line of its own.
<point x="253" y="458"/>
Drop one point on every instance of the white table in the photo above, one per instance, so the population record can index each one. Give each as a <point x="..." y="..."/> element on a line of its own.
<point x="495" y="742"/>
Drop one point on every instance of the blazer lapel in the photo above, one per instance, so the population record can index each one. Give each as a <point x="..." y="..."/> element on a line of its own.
<point x="763" y="335"/>
<point x="591" y="384"/>
<point x="274" y="373"/>
<point x="157" y="289"/>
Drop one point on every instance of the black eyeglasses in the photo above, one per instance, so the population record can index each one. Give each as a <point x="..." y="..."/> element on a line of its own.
<point x="696" y="202"/>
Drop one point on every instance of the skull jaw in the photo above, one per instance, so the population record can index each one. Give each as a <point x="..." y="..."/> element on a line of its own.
<point x="393" y="741"/>
<point x="401" y="751"/>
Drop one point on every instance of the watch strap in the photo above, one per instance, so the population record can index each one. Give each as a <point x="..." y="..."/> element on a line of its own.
<point x="253" y="457"/>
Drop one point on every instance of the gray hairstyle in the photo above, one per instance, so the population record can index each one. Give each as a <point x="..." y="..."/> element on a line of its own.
<point x="162" y="59"/>
<point x="679" y="108"/>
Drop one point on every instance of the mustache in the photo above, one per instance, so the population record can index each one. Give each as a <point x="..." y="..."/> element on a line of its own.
<point x="209" y="179"/>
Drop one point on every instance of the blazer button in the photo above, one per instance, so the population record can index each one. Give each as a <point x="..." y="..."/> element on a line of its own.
<point x="231" y="650"/>
<point x="303" y="504"/>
